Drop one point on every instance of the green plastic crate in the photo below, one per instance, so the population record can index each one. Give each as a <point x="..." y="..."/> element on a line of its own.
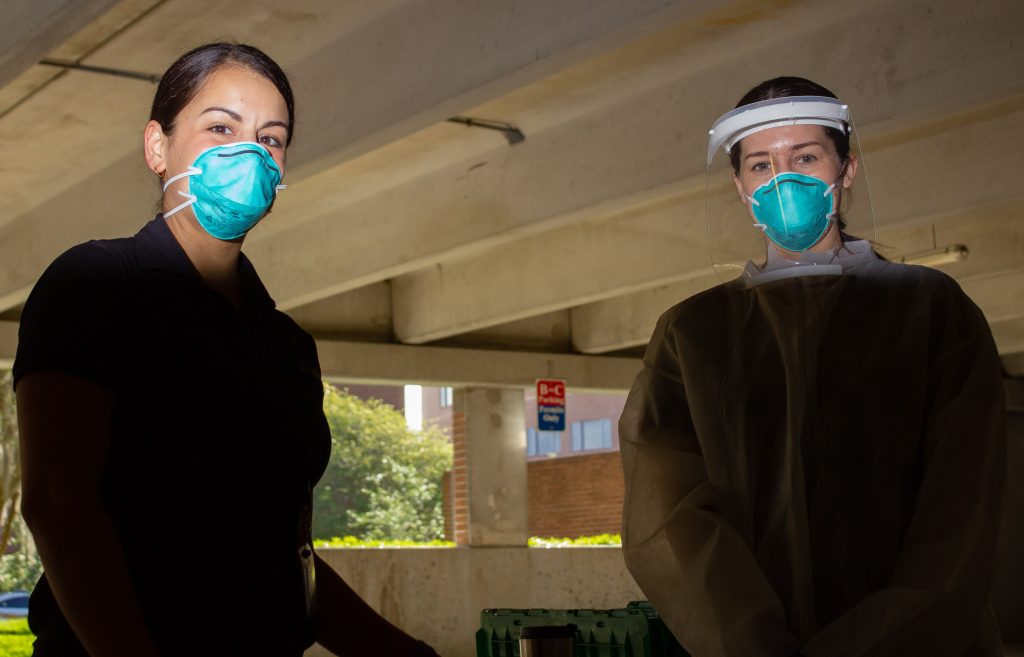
<point x="636" y="631"/>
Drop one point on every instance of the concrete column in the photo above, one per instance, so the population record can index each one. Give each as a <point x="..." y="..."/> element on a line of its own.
<point x="489" y="472"/>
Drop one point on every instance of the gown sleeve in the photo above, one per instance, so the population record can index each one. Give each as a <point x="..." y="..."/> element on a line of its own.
<point x="936" y="603"/>
<point x="691" y="563"/>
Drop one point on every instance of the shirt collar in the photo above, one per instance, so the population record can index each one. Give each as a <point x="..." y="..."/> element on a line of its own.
<point x="159" y="250"/>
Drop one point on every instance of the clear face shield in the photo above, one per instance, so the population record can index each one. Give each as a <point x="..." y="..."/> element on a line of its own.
<point x="781" y="187"/>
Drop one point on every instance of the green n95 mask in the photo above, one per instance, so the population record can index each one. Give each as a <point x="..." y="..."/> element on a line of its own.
<point x="794" y="209"/>
<point x="230" y="188"/>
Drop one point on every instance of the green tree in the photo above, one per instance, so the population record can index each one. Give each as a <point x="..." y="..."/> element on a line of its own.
<point x="383" y="481"/>
<point x="19" y="562"/>
<point x="10" y="465"/>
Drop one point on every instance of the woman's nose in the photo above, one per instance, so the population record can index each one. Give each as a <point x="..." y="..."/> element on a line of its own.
<point x="780" y="165"/>
<point x="248" y="134"/>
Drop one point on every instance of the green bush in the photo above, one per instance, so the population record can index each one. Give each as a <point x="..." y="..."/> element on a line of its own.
<point x="353" y="542"/>
<point x="20" y="570"/>
<point x="383" y="481"/>
<point x="535" y="541"/>
<point x="579" y="541"/>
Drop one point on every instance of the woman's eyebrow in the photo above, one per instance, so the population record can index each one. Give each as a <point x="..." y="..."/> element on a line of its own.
<point x="274" y="124"/>
<point x="794" y="147"/>
<point x="238" y="117"/>
<point x="235" y="115"/>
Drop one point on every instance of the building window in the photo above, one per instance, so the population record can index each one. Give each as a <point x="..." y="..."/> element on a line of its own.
<point x="539" y="443"/>
<point x="591" y="434"/>
<point x="446" y="397"/>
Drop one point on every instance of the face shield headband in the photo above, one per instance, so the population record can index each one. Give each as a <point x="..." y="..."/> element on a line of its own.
<point x="793" y="110"/>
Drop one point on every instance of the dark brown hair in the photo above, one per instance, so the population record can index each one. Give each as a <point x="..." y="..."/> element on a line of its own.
<point x="185" y="77"/>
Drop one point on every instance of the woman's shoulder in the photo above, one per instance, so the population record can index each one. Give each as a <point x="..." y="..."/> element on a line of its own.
<point x="705" y="305"/>
<point x="74" y="314"/>
<point x="91" y="261"/>
<point x="916" y="280"/>
<point x="952" y="315"/>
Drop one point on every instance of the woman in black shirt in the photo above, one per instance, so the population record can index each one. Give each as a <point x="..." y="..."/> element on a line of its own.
<point x="167" y="409"/>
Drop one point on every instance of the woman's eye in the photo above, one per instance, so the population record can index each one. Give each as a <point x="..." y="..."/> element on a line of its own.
<point x="221" y="129"/>
<point x="269" y="140"/>
<point x="806" y="158"/>
<point x="759" y="167"/>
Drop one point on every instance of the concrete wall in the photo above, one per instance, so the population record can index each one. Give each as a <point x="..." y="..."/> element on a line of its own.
<point x="437" y="594"/>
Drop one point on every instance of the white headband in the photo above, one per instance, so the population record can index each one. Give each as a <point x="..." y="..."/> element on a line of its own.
<point x="793" y="110"/>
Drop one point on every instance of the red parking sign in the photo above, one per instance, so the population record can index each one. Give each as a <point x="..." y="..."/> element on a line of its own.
<point x="551" y="404"/>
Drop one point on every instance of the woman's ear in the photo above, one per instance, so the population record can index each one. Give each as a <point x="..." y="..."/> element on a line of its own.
<point x="739" y="188"/>
<point x="154" y="145"/>
<point x="850" y="171"/>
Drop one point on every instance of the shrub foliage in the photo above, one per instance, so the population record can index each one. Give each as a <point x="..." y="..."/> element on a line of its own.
<point x="383" y="481"/>
<point x="19" y="562"/>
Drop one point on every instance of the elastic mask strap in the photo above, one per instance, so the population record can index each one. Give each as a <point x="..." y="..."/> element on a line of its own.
<point x="754" y="201"/>
<point x="190" y="198"/>
<point x="191" y="171"/>
<point x="835" y="208"/>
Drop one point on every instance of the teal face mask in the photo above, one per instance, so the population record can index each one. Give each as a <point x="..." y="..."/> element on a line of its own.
<point x="230" y="188"/>
<point x="794" y="210"/>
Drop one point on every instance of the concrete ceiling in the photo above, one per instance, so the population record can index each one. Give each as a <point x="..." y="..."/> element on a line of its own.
<point x="417" y="249"/>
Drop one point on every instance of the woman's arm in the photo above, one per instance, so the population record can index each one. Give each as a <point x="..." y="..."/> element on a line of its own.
<point x="691" y="563"/>
<point x="937" y="600"/>
<point x="64" y="424"/>
<point x="348" y="627"/>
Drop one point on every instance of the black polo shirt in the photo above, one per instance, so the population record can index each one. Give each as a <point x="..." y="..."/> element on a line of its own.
<point x="218" y="438"/>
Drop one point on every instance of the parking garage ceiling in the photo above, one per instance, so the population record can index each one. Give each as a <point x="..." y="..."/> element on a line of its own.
<point x="416" y="248"/>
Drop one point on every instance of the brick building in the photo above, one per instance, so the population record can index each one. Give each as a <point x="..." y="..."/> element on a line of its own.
<point x="574" y="478"/>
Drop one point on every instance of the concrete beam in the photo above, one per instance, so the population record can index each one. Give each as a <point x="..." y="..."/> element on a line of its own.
<point x="362" y="314"/>
<point x="664" y="240"/>
<point x="368" y="362"/>
<point x="993" y="233"/>
<point x="1008" y="335"/>
<point x="1014" y="390"/>
<point x="462" y="208"/>
<point x="365" y="362"/>
<point x="536" y="275"/>
<point x="384" y="70"/>
<point x="402" y="65"/>
<point x="73" y="49"/>
<point x="625" y="146"/>
<point x="116" y="202"/>
<point x="563" y="174"/>
<point x="31" y="30"/>
<point x="363" y="89"/>
<point x="629" y="320"/>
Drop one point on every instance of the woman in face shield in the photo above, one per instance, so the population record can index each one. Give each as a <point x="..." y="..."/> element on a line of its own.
<point x="814" y="453"/>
